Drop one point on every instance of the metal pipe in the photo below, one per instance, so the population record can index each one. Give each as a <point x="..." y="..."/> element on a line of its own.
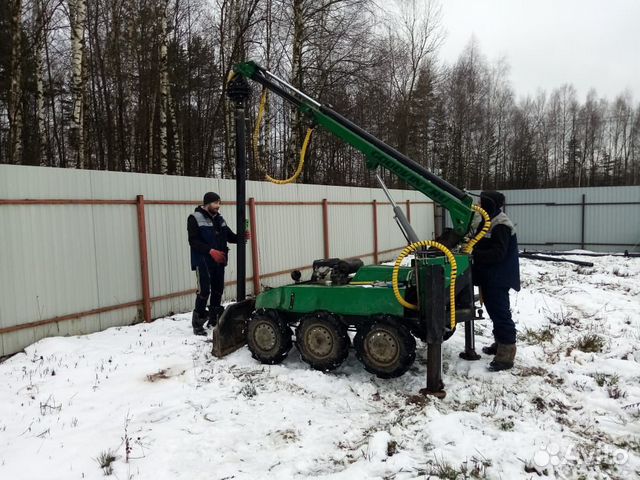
<point x="144" y="259"/>
<point x="578" y="243"/>
<point x="434" y="370"/>
<point x="241" y="163"/>
<point x="531" y="256"/>
<point x="469" y="353"/>
<point x="255" y="255"/>
<point x="626" y="253"/>
<point x="375" y="231"/>
<point x="325" y="227"/>
<point x="404" y="225"/>
<point x="385" y="190"/>
<point x="584" y="197"/>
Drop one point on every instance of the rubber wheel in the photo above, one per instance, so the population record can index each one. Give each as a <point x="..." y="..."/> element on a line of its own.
<point x="268" y="337"/>
<point x="323" y="341"/>
<point x="385" y="347"/>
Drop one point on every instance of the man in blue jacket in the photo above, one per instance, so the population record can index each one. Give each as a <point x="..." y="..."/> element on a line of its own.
<point x="496" y="269"/>
<point x="208" y="238"/>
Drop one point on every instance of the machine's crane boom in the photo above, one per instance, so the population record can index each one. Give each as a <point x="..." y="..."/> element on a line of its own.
<point x="455" y="201"/>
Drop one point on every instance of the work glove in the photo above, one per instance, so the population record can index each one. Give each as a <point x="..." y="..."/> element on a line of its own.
<point x="218" y="256"/>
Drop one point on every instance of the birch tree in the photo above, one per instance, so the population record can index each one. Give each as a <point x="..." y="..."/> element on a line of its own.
<point x="39" y="38"/>
<point x="139" y="85"/>
<point x="77" y="20"/>
<point x="164" y="84"/>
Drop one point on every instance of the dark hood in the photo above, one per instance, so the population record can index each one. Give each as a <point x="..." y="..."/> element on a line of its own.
<point x="492" y="201"/>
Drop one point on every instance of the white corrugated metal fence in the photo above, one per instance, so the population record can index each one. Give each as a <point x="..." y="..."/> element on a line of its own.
<point x="605" y="219"/>
<point x="74" y="266"/>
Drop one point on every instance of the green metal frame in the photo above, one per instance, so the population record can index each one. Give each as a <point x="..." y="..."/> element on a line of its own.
<point x="375" y="298"/>
<point x="381" y="273"/>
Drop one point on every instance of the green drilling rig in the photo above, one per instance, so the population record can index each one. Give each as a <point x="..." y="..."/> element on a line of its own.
<point x="387" y="307"/>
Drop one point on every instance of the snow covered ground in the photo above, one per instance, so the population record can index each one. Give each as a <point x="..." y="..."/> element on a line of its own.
<point x="151" y="397"/>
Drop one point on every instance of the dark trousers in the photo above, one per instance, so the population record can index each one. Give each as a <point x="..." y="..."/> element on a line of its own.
<point x="496" y="302"/>
<point x="210" y="276"/>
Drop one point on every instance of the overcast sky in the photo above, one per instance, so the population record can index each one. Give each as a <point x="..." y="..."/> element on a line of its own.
<point x="589" y="43"/>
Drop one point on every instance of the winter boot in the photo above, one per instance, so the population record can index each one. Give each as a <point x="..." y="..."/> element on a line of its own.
<point x="197" y="322"/>
<point x="505" y="355"/>
<point x="214" y="316"/>
<point x="491" y="349"/>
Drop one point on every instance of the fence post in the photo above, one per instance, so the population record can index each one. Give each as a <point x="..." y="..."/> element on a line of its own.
<point x="255" y="260"/>
<point x="409" y="210"/>
<point x="325" y="226"/>
<point x="144" y="261"/>
<point x="583" y="207"/>
<point x="375" y="231"/>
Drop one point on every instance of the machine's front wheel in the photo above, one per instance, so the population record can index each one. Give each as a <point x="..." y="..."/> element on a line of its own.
<point x="385" y="347"/>
<point x="268" y="337"/>
<point x="322" y="340"/>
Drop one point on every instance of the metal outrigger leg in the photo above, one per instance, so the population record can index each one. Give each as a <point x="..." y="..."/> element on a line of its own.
<point x="431" y="294"/>
<point x="470" y="353"/>
<point x="469" y="342"/>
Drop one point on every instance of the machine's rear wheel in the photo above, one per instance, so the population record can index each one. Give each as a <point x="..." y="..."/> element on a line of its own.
<point x="385" y="347"/>
<point x="322" y="340"/>
<point x="268" y="337"/>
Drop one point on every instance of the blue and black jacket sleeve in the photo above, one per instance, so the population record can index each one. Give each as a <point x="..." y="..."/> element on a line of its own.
<point x="231" y="236"/>
<point x="194" y="237"/>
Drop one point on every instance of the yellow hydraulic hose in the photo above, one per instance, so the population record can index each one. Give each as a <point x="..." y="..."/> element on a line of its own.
<point x="468" y="248"/>
<point x="256" y="138"/>
<point x="256" y="130"/>
<point x="454" y="271"/>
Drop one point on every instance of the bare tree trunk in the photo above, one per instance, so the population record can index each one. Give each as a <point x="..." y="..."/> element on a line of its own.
<point x="77" y="13"/>
<point x="15" y="93"/>
<point x="148" y="167"/>
<point x="164" y="87"/>
<point x="130" y="120"/>
<point x="57" y="137"/>
<point x="266" y="152"/>
<point x="177" y="157"/>
<point x="297" y="79"/>
<point x="39" y="27"/>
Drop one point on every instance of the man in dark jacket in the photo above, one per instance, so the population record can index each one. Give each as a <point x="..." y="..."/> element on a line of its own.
<point x="208" y="238"/>
<point x="496" y="269"/>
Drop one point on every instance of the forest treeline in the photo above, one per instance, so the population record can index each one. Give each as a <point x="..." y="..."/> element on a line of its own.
<point x="138" y="85"/>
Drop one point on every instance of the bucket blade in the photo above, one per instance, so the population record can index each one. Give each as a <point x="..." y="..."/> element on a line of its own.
<point x="229" y="334"/>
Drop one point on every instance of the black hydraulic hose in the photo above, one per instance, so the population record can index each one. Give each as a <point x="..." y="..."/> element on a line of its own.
<point x="532" y="256"/>
<point x="625" y="254"/>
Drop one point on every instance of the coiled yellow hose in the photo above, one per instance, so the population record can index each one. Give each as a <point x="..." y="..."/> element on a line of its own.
<point x="256" y="138"/>
<point x="454" y="271"/>
<point x="468" y="248"/>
